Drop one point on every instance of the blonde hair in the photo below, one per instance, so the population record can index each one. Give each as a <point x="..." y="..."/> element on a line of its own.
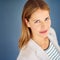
<point x="29" y="8"/>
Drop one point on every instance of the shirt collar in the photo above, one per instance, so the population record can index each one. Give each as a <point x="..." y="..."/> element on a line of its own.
<point x="38" y="50"/>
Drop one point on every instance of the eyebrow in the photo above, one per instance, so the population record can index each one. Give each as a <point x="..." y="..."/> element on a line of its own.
<point x="40" y="19"/>
<point x="36" y="19"/>
<point x="47" y="17"/>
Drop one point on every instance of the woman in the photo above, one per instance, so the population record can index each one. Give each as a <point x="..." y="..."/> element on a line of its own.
<point x="38" y="40"/>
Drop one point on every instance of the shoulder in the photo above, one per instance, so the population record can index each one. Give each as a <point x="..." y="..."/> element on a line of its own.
<point x="52" y="35"/>
<point x="52" y="31"/>
<point x="26" y="53"/>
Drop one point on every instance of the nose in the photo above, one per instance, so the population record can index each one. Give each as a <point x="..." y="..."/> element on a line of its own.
<point x="43" y="25"/>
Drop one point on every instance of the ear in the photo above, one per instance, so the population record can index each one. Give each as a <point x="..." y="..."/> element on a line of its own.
<point x="27" y="23"/>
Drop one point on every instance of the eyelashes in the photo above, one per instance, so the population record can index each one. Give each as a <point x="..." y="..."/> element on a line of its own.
<point x="38" y="21"/>
<point x="46" y="19"/>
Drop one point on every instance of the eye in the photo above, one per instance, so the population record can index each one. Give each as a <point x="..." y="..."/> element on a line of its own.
<point x="46" y="19"/>
<point x="37" y="21"/>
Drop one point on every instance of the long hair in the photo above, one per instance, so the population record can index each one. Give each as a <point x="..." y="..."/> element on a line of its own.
<point x="29" y="8"/>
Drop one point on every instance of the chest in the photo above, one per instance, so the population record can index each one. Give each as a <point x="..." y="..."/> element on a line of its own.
<point x="52" y="52"/>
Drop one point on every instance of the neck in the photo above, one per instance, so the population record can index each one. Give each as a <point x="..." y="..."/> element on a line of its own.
<point x="42" y="42"/>
<point x="40" y="39"/>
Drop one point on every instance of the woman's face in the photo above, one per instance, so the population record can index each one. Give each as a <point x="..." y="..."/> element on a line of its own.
<point x="39" y="23"/>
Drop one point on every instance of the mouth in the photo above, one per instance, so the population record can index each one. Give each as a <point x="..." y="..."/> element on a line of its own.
<point x="42" y="32"/>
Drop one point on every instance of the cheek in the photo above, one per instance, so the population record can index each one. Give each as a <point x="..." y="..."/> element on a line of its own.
<point x="33" y="26"/>
<point x="34" y="29"/>
<point x="49" y="24"/>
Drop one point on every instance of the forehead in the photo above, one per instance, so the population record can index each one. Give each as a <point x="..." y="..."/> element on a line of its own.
<point x="40" y="14"/>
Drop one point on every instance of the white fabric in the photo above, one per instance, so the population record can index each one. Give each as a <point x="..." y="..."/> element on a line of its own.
<point x="33" y="52"/>
<point x="52" y="52"/>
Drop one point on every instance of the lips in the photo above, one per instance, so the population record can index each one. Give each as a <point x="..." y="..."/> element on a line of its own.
<point x="43" y="31"/>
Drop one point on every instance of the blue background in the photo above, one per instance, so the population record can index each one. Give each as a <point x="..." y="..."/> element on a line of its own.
<point x="10" y="25"/>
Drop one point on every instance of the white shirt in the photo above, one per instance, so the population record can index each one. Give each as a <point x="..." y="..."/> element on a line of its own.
<point x="34" y="52"/>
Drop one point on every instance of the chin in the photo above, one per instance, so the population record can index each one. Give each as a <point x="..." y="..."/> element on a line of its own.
<point x="44" y="35"/>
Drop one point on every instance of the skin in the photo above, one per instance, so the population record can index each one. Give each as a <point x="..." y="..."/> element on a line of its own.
<point x="39" y="23"/>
